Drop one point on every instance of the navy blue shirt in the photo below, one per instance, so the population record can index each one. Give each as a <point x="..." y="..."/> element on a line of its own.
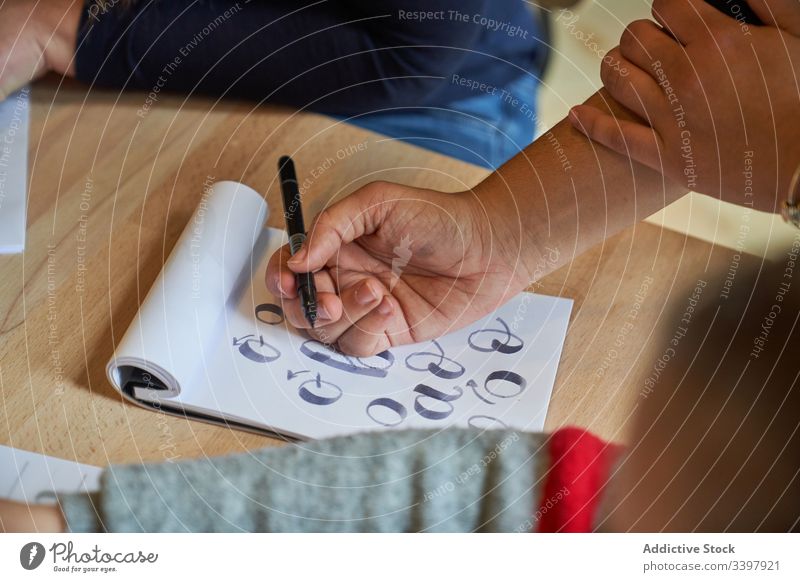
<point x="341" y="57"/>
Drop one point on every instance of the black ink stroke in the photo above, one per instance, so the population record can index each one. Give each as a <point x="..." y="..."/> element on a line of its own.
<point x="270" y="308"/>
<point x="512" y="378"/>
<point x="246" y="349"/>
<point x="347" y="364"/>
<point x="319" y="399"/>
<point x="435" y="367"/>
<point x="425" y="391"/>
<point x="392" y="405"/>
<point x="505" y="347"/>
<point x="472" y="384"/>
<point x="292" y="375"/>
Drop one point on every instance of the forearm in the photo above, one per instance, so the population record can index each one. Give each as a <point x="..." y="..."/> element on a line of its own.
<point x="564" y="193"/>
<point x="454" y="480"/>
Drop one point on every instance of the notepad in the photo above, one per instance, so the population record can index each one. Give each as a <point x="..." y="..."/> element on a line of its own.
<point x="34" y="478"/>
<point x="13" y="171"/>
<point x="211" y="343"/>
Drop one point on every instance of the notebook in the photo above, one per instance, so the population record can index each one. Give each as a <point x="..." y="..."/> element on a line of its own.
<point x="13" y="171"/>
<point x="211" y="343"/>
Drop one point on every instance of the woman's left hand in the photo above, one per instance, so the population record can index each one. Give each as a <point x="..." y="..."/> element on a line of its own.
<point x="718" y="99"/>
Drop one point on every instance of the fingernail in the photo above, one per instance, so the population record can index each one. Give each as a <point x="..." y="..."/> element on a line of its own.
<point x="386" y="308"/>
<point x="365" y="294"/>
<point x="322" y="312"/>
<point x="299" y="257"/>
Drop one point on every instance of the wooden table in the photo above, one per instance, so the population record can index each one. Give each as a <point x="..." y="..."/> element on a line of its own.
<point x="112" y="188"/>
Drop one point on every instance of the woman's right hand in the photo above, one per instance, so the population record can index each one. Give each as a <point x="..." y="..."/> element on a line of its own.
<point x="36" y="37"/>
<point x="396" y="265"/>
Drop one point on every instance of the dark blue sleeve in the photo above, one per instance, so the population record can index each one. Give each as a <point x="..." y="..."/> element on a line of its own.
<point x="341" y="57"/>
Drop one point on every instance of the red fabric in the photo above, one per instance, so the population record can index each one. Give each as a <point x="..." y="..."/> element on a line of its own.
<point x="579" y="469"/>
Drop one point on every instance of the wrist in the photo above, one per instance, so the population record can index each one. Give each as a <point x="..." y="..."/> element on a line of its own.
<point x="503" y="227"/>
<point x="501" y="231"/>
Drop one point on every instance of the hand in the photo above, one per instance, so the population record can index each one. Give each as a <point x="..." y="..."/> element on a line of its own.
<point x="36" y="37"/>
<point x="710" y="90"/>
<point x="20" y="518"/>
<point x="396" y="265"/>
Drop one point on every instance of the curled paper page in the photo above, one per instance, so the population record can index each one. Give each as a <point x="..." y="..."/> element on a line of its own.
<point x="163" y="346"/>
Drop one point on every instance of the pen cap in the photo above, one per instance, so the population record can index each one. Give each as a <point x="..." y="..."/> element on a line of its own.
<point x="286" y="168"/>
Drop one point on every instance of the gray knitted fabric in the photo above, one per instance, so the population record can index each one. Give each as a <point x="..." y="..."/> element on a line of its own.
<point x="447" y="481"/>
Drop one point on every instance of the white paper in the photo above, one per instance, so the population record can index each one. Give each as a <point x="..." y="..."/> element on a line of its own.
<point x="256" y="371"/>
<point x="33" y="478"/>
<point x="14" y="113"/>
<point x="178" y="315"/>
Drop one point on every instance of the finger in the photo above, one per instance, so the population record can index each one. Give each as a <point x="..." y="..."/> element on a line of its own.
<point x="370" y="334"/>
<point x="689" y="20"/>
<point x="631" y="139"/>
<point x="644" y="42"/>
<point x="329" y="305"/>
<point x="785" y="14"/>
<point x="280" y="279"/>
<point x="357" y="301"/>
<point x="329" y="309"/>
<point x="631" y="86"/>
<point x="361" y="213"/>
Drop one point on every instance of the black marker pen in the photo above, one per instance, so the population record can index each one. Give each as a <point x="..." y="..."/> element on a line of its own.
<point x="293" y="213"/>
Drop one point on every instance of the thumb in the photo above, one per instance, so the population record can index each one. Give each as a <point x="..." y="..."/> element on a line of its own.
<point x="359" y="214"/>
<point x="784" y="14"/>
<point x="628" y="138"/>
